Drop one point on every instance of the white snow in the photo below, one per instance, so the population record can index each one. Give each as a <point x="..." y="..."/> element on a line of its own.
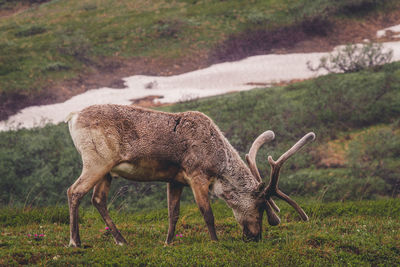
<point x="394" y="29"/>
<point x="214" y="80"/>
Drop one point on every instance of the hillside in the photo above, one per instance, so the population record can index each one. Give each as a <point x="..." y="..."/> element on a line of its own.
<point x="56" y="49"/>
<point x="356" y="154"/>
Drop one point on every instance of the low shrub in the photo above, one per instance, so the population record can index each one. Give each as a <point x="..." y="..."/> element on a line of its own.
<point x="353" y="58"/>
<point x="376" y="154"/>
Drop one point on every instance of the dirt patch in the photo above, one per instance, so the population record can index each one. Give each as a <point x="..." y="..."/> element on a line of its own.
<point x="9" y="11"/>
<point x="331" y="155"/>
<point x="315" y="35"/>
<point x="12" y="7"/>
<point x="148" y="101"/>
<point x="283" y="40"/>
<point x="311" y="36"/>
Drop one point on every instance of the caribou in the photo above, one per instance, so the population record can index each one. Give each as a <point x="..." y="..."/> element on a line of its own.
<point x="182" y="149"/>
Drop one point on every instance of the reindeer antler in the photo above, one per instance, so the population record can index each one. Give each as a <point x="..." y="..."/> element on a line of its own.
<point x="251" y="157"/>
<point x="272" y="188"/>
<point x="265" y="137"/>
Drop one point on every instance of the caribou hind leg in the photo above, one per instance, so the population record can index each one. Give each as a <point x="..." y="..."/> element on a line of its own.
<point x="174" y="192"/>
<point x="91" y="175"/>
<point x="99" y="200"/>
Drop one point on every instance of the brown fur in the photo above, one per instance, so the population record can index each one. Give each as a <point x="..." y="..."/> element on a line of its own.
<point x="182" y="149"/>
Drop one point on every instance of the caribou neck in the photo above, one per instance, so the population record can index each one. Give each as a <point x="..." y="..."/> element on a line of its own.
<point x="236" y="183"/>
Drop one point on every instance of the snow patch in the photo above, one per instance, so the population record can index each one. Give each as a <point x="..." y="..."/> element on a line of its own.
<point x="394" y="29"/>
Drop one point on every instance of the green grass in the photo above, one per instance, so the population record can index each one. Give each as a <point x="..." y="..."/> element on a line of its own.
<point x="58" y="40"/>
<point x="349" y="233"/>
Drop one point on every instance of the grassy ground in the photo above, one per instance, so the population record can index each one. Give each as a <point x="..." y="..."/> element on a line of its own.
<point x="349" y="233"/>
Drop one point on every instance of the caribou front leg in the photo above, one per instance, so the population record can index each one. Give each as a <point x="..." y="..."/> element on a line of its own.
<point x="99" y="200"/>
<point x="200" y="187"/>
<point x="174" y="192"/>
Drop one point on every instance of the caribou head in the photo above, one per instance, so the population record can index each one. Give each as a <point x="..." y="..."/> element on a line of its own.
<point x="251" y="221"/>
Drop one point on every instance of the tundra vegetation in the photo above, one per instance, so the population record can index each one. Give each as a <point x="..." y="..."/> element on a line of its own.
<point x="360" y="117"/>
<point x="355" y="161"/>
<point x="347" y="181"/>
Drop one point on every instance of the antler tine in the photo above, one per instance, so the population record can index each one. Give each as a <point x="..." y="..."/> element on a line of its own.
<point x="273" y="219"/>
<point x="272" y="188"/>
<point x="273" y="205"/>
<point x="303" y="141"/>
<point x="251" y="157"/>
<point x="285" y="197"/>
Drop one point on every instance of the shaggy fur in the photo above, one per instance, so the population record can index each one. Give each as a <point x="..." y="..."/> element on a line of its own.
<point x="179" y="148"/>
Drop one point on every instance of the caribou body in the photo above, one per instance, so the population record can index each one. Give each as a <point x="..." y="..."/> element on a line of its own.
<point x="182" y="149"/>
